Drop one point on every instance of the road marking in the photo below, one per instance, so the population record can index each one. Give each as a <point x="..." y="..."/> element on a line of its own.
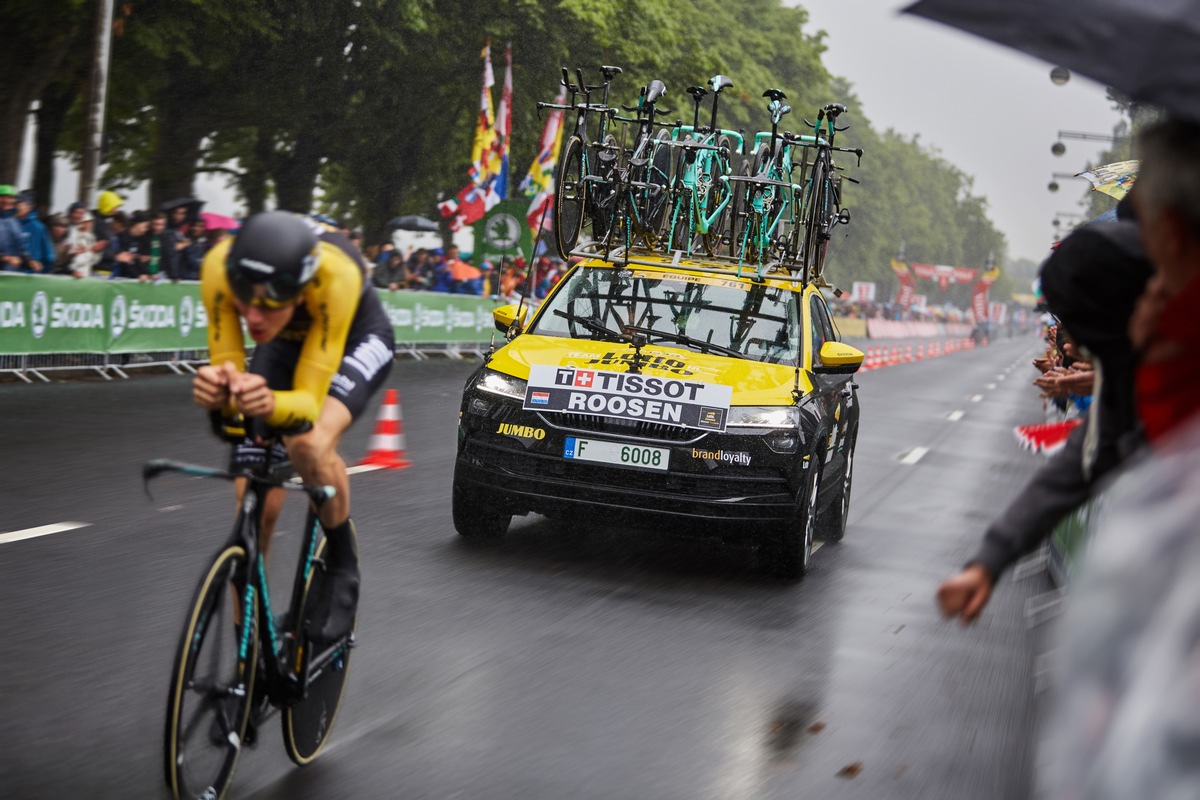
<point x="975" y="398"/>
<point x="955" y="416"/>
<point x="914" y="455"/>
<point x="349" y="471"/>
<point x="1001" y="377"/>
<point x="991" y="386"/>
<point x="41" y="530"/>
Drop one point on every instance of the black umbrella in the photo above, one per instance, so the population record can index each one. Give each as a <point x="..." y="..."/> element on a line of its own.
<point x="1146" y="49"/>
<point x="413" y="222"/>
<point x="190" y="203"/>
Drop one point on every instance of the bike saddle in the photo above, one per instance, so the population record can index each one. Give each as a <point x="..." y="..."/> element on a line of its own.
<point x="775" y="94"/>
<point x="833" y="109"/>
<point x="610" y="72"/>
<point x="654" y="90"/>
<point x="719" y="82"/>
<point x="697" y="92"/>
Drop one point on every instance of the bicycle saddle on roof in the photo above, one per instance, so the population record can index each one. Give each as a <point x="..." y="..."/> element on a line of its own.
<point x="719" y="82"/>
<point x="654" y="90"/>
<point x="775" y="94"/>
<point x="697" y="92"/>
<point x="610" y="72"/>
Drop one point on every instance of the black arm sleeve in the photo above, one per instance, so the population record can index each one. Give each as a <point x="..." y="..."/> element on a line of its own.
<point x="1055" y="490"/>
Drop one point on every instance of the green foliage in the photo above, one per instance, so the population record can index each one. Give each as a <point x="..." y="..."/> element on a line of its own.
<point x="366" y="108"/>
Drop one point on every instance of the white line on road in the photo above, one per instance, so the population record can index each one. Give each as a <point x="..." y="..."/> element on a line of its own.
<point x="1001" y="376"/>
<point x="975" y="398"/>
<point x="991" y="386"/>
<point x="914" y="455"/>
<point x="41" y="530"/>
<point x="955" y="416"/>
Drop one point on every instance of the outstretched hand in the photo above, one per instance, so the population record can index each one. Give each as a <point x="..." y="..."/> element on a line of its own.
<point x="965" y="594"/>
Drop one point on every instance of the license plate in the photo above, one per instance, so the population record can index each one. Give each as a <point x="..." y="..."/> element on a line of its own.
<point x="623" y="455"/>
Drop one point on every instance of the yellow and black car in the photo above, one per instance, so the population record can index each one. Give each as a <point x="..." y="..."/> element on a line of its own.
<point x="657" y="391"/>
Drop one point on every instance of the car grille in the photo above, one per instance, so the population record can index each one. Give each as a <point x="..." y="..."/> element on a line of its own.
<point x="613" y="426"/>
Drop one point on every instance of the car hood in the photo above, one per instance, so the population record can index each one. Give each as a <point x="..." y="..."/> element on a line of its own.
<point x="754" y="383"/>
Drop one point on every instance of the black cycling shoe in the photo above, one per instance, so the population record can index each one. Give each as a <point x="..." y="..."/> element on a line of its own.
<point x="333" y="615"/>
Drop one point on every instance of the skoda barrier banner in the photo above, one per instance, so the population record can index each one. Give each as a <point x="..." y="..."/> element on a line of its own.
<point x="40" y="314"/>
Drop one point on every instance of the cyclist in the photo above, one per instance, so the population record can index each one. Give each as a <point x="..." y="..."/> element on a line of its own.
<point x="324" y="346"/>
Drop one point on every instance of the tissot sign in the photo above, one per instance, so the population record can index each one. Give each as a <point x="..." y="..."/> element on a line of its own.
<point x="626" y="395"/>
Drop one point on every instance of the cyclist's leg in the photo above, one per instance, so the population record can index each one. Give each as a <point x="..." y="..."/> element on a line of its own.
<point x="315" y="456"/>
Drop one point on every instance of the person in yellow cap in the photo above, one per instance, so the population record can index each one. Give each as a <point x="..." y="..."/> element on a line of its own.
<point x="107" y="204"/>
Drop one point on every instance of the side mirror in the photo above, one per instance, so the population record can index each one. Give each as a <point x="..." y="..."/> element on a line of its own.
<point x="838" y="359"/>
<point x="505" y="316"/>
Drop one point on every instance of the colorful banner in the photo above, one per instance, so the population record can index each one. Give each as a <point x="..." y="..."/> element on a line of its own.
<point x="63" y="315"/>
<point x="904" y="293"/>
<point x="979" y="294"/>
<point x="863" y="292"/>
<point x="943" y="274"/>
<point x="538" y="184"/>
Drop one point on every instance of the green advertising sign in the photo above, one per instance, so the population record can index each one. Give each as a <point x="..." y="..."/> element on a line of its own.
<point x="502" y="233"/>
<point x="41" y="314"/>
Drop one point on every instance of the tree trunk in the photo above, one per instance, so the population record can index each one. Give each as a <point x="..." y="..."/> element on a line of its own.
<point x="177" y="145"/>
<point x="27" y="66"/>
<point x="252" y="183"/>
<point x="296" y="175"/>
<point x="53" y="106"/>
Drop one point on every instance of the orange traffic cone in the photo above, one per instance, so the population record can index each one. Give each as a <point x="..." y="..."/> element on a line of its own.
<point x="908" y="356"/>
<point x="921" y="351"/>
<point x="386" y="448"/>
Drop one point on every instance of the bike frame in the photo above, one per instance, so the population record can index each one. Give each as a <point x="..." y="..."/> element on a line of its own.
<point x="288" y="678"/>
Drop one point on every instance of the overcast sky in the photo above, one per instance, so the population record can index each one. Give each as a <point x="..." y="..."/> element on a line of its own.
<point x="991" y="111"/>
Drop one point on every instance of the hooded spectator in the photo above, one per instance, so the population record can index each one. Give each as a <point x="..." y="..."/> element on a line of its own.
<point x="195" y="245"/>
<point x="107" y="204"/>
<point x="392" y="274"/>
<point x="39" y="250"/>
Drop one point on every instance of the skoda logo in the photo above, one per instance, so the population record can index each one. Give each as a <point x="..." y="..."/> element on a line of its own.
<point x="186" y="314"/>
<point x="418" y="316"/>
<point x="502" y="232"/>
<point x="117" y="315"/>
<point x="39" y="314"/>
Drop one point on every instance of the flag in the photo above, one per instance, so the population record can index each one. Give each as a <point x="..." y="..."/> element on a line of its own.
<point x="470" y="204"/>
<point x="500" y="148"/>
<point x="538" y="184"/>
<point x="485" y="127"/>
<point x="979" y="293"/>
<point x="907" y="288"/>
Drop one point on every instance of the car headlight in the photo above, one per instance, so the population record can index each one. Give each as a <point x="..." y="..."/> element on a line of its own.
<point x="764" y="417"/>
<point x="504" y="385"/>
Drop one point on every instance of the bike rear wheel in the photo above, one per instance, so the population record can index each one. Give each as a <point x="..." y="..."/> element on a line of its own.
<point x="718" y="192"/>
<point x="737" y="211"/>
<point x="816" y="212"/>
<point x="570" y="196"/>
<point x="654" y="207"/>
<point x="599" y="193"/>
<point x="308" y="722"/>
<point x="212" y="683"/>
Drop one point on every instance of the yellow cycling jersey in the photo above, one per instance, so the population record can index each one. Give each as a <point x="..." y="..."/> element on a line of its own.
<point x="322" y="320"/>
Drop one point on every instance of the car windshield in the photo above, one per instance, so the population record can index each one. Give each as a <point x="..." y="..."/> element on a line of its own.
<point x="703" y="313"/>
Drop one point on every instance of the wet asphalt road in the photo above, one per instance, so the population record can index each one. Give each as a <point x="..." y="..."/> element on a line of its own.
<point x="569" y="660"/>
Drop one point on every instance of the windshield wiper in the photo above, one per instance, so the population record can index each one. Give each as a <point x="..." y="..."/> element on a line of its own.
<point x="682" y="338"/>
<point x="594" y="325"/>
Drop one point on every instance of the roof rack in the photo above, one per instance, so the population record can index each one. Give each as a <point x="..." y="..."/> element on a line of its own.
<point x="712" y="265"/>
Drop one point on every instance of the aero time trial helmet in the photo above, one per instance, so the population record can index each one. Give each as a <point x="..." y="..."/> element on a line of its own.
<point x="271" y="259"/>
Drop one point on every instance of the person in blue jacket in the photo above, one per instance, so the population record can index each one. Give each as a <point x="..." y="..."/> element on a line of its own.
<point x="39" y="250"/>
<point x="12" y="243"/>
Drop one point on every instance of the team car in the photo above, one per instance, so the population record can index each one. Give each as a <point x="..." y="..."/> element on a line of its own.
<point x="683" y="394"/>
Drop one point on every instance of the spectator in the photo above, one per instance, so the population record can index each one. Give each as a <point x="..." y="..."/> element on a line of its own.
<point x="439" y="272"/>
<point x="107" y="205"/>
<point x="39" y="250"/>
<point x="464" y="277"/>
<point x="128" y="257"/>
<point x="419" y="269"/>
<point x="82" y="243"/>
<point x="159" y="245"/>
<point x="108" y="266"/>
<point x="1098" y="312"/>
<point x="63" y="254"/>
<point x="194" y="246"/>
<point x="392" y="275"/>
<point x="12" y="242"/>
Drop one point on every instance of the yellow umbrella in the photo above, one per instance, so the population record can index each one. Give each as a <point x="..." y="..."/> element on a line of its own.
<point x="1112" y="179"/>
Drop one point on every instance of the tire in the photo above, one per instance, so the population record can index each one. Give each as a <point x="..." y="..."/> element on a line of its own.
<point x="212" y="683"/>
<point x="598" y="204"/>
<point x="570" y="197"/>
<point x="655" y="205"/>
<point x="717" y="193"/>
<point x="815" y="210"/>
<point x="308" y="722"/>
<point x="737" y="211"/>
<point x="831" y="526"/>
<point x="473" y="520"/>
<point x="681" y="229"/>
<point x="787" y="552"/>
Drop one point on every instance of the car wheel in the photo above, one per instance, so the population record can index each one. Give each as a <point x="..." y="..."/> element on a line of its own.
<point x="474" y="519"/>
<point x="832" y="524"/>
<point x="787" y="552"/>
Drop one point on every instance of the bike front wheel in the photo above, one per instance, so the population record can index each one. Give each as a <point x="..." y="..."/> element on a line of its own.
<point x="570" y="195"/>
<point x="212" y="683"/>
<point x="308" y="722"/>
